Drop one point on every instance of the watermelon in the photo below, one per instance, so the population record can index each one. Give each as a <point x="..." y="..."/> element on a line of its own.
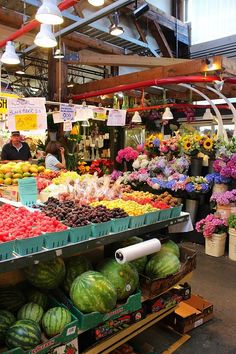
<point x="74" y="267"/>
<point x="170" y="247"/>
<point x="54" y="321"/>
<point x="124" y="277"/>
<point x="6" y="320"/>
<point x="11" y="299"/>
<point x="25" y="334"/>
<point x="91" y="291"/>
<point x="47" y="275"/>
<point x="30" y="311"/>
<point x="162" y="265"/>
<point x="38" y="297"/>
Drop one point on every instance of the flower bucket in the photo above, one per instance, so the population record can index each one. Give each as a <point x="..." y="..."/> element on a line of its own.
<point x="210" y="166"/>
<point x="215" y="245"/>
<point x="196" y="166"/>
<point x="226" y="210"/>
<point x="219" y="188"/>
<point x="232" y="244"/>
<point x="192" y="208"/>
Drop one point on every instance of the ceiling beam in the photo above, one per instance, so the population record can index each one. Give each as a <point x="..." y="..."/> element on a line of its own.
<point x="90" y="58"/>
<point x="140" y="30"/>
<point x="160" y="39"/>
<point x="195" y="66"/>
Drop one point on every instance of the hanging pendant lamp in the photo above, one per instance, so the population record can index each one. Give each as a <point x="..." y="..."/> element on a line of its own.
<point x="9" y="56"/>
<point x="48" y="13"/>
<point x="45" y="38"/>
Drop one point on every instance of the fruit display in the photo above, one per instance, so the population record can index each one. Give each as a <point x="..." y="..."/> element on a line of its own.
<point x="130" y="207"/>
<point x="92" y="291"/>
<point x="65" y="177"/>
<point x="30" y="311"/>
<point x="54" y="321"/>
<point x="124" y="277"/>
<point x="168" y="199"/>
<point x="74" y="267"/>
<point x="38" y="297"/>
<point x="47" y="275"/>
<point x="170" y="247"/>
<point x="11" y="172"/>
<point x="6" y="320"/>
<point x="20" y="223"/>
<point x="162" y="264"/>
<point x="25" y="334"/>
<point x="11" y="299"/>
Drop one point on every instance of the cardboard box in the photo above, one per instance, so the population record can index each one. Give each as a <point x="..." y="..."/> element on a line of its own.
<point x="190" y="314"/>
<point x="68" y="348"/>
<point x="10" y="192"/>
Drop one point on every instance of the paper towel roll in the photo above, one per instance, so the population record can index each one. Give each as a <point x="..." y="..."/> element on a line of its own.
<point x="138" y="250"/>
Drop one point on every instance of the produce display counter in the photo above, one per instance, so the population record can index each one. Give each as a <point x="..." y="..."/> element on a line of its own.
<point x="73" y="248"/>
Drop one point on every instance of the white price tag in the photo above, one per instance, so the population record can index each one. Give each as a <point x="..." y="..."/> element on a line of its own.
<point x="67" y="126"/>
<point x="71" y="331"/>
<point x="116" y="117"/>
<point x="67" y="112"/>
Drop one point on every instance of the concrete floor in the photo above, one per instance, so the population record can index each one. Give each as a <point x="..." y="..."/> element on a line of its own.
<point x="215" y="280"/>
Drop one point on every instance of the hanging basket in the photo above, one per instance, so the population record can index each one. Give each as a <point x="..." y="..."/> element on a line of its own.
<point x="232" y="244"/>
<point x="196" y="166"/>
<point x="215" y="245"/>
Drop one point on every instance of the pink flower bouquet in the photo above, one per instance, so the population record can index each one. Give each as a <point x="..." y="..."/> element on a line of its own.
<point x="212" y="224"/>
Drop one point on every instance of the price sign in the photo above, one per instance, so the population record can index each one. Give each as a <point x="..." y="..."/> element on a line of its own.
<point x="26" y="121"/>
<point x="3" y="101"/>
<point x="116" y="117"/>
<point x="67" y="112"/>
<point x="99" y="114"/>
<point x="67" y="126"/>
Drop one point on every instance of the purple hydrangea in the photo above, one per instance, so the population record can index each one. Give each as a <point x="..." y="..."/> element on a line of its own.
<point x="189" y="187"/>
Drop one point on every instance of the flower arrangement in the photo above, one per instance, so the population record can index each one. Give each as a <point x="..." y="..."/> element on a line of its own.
<point x="142" y="161"/>
<point x="225" y="150"/>
<point x="190" y="144"/>
<point x="169" y="146"/>
<point x="127" y="154"/>
<point x="74" y="135"/>
<point x="224" y="198"/>
<point x="208" y="145"/>
<point x="212" y="224"/>
<point x="216" y="178"/>
<point x="152" y="143"/>
<point x="197" y="184"/>
<point x="226" y="167"/>
<point x="101" y="167"/>
<point x="83" y="168"/>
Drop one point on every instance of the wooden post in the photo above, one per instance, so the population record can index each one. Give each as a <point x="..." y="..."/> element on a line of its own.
<point x="57" y="79"/>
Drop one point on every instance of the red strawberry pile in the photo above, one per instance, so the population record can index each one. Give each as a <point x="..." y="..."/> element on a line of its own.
<point x="160" y="205"/>
<point x="42" y="183"/>
<point x="21" y="223"/>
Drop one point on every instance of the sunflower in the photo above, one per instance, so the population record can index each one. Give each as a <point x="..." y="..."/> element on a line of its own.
<point x="184" y="139"/>
<point x="208" y="144"/>
<point x="187" y="145"/>
<point x="197" y="137"/>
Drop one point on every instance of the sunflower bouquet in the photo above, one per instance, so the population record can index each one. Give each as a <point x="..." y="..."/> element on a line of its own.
<point x="190" y="144"/>
<point x="152" y="143"/>
<point x="208" y="145"/>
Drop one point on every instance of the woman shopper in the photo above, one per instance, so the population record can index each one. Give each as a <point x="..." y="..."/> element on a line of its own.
<point x="53" y="151"/>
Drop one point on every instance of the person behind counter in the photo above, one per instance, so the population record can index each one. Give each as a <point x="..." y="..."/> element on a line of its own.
<point x="16" y="149"/>
<point x="53" y="150"/>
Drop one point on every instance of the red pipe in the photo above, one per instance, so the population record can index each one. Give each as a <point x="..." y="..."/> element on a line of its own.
<point x="34" y="23"/>
<point x="154" y="82"/>
<point x="174" y="106"/>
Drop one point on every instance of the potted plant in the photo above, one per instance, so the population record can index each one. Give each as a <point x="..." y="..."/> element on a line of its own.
<point x="214" y="230"/>
<point x="225" y="202"/>
<point x="232" y="236"/>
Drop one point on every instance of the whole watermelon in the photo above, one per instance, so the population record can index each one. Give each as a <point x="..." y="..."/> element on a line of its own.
<point x="25" y="334"/>
<point x="54" y="321"/>
<point x="47" y="275"/>
<point x="6" y="320"/>
<point x="38" y="297"/>
<point x="162" y="265"/>
<point x="11" y="299"/>
<point x="141" y="262"/>
<point x="124" y="277"/>
<point x="74" y="267"/>
<point x="91" y="291"/>
<point x="170" y="247"/>
<point x="30" y="311"/>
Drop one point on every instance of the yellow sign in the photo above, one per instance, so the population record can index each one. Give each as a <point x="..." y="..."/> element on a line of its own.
<point x="3" y="101"/>
<point x="26" y="121"/>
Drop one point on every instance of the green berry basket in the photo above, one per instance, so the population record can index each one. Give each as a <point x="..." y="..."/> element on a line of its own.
<point x="101" y="229"/>
<point x="152" y="218"/>
<point x="120" y="224"/>
<point x="6" y="250"/>
<point x="164" y="214"/>
<point x="81" y="233"/>
<point x="176" y="211"/>
<point x="56" y="239"/>
<point x="29" y="245"/>
<point x="137" y="221"/>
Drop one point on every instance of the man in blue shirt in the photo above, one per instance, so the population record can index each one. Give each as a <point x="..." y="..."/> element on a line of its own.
<point x="16" y="150"/>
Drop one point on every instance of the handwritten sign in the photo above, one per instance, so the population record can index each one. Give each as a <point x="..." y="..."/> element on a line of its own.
<point x="99" y="114"/>
<point x="67" y="112"/>
<point x="27" y="114"/>
<point x="116" y="117"/>
<point x="67" y="126"/>
<point x="83" y="113"/>
<point x="3" y="101"/>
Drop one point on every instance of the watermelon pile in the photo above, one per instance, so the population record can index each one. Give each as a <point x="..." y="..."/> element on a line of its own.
<point x="165" y="262"/>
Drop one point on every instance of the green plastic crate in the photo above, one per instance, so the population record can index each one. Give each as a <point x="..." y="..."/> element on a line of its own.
<point x="91" y="320"/>
<point x="176" y="211"/>
<point x="82" y="233"/>
<point x="164" y="214"/>
<point x="101" y="229"/>
<point x="29" y="245"/>
<point x="120" y="224"/>
<point x="137" y="221"/>
<point x="6" y="250"/>
<point x="56" y="239"/>
<point x="69" y="333"/>
<point x="151" y="218"/>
